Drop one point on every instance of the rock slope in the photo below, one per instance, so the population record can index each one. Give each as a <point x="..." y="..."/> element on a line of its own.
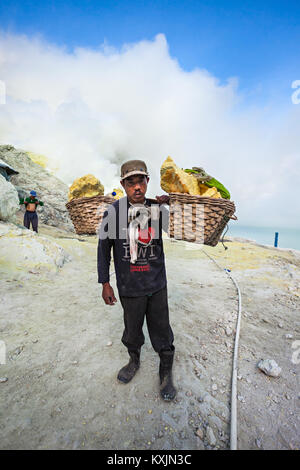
<point x="52" y="191"/>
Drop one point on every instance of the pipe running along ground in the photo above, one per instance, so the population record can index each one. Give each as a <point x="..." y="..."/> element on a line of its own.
<point x="233" y="420"/>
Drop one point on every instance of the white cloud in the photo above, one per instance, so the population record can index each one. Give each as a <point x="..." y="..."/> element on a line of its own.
<point x="90" y="110"/>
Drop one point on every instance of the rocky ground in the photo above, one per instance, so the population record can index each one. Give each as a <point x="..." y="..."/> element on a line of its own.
<point x="59" y="388"/>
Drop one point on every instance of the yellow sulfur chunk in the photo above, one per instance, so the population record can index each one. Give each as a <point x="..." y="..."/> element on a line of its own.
<point x="86" y="186"/>
<point x="119" y="193"/>
<point x="175" y="180"/>
<point x="209" y="192"/>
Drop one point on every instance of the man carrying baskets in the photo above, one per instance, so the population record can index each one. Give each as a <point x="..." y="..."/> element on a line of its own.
<point x="132" y="226"/>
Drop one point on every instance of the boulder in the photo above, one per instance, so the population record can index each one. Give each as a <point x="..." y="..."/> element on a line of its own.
<point x="52" y="191"/>
<point x="9" y="200"/>
<point x="22" y="251"/>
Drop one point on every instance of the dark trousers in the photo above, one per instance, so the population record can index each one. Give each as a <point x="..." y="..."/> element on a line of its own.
<point x="31" y="217"/>
<point x="155" y="309"/>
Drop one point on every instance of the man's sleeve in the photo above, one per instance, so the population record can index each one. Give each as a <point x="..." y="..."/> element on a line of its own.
<point x="104" y="252"/>
<point x="41" y="203"/>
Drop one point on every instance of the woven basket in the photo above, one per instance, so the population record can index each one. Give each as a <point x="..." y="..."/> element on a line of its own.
<point x="87" y="212"/>
<point x="199" y="219"/>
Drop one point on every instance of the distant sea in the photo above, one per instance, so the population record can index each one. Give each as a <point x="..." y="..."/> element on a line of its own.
<point x="287" y="238"/>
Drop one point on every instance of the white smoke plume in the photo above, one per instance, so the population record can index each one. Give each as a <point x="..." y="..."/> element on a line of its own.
<point x="90" y="110"/>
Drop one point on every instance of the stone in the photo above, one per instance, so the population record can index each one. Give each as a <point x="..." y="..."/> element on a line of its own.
<point x="210" y="436"/>
<point x="199" y="433"/>
<point x="258" y="443"/>
<point x="269" y="367"/>
<point x="22" y="250"/>
<point x="85" y="186"/>
<point x="9" y="200"/>
<point x="228" y="331"/>
<point x="3" y="380"/>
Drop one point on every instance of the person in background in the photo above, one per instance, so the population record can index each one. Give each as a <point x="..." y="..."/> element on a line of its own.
<point x="30" y="215"/>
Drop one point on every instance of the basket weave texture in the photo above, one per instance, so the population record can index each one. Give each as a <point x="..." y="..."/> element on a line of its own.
<point x="87" y="212"/>
<point x="199" y="219"/>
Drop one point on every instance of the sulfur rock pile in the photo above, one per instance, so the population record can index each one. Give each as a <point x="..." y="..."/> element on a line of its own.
<point x="86" y="186"/>
<point x="175" y="180"/>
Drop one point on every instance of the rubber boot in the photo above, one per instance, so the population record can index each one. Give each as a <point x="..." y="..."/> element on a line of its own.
<point x="167" y="389"/>
<point x="128" y="372"/>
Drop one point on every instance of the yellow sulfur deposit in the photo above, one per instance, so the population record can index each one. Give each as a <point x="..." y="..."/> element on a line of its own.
<point x="209" y="192"/>
<point x="175" y="180"/>
<point x="86" y="186"/>
<point x="44" y="162"/>
<point x="119" y="193"/>
<point x="37" y="158"/>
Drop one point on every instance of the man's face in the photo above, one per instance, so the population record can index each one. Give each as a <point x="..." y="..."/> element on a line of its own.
<point x="135" y="188"/>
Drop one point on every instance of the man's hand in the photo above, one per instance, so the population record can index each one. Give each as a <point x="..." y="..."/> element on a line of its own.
<point x="108" y="294"/>
<point x="163" y="199"/>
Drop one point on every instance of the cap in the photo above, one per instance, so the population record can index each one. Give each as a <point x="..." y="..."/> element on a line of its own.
<point x="33" y="193"/>
<point x="133" y="167"/>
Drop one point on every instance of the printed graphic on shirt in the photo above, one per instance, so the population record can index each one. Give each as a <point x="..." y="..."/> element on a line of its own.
<point x="134" y="268"/>
<point x="145" y="253"/>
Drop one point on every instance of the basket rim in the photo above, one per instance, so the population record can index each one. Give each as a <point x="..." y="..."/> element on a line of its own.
<point x="201" y="199"/>
<point x="82" y="200"/>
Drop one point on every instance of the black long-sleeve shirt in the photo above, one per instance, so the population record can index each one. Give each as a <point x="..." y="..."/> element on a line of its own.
<point x="148" y="274"/>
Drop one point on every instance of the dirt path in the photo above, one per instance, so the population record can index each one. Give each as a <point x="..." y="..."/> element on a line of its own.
<point x="62" y="391"/>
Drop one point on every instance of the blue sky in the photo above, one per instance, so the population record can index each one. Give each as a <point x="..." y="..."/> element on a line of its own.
<point x="256" y="41"/>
